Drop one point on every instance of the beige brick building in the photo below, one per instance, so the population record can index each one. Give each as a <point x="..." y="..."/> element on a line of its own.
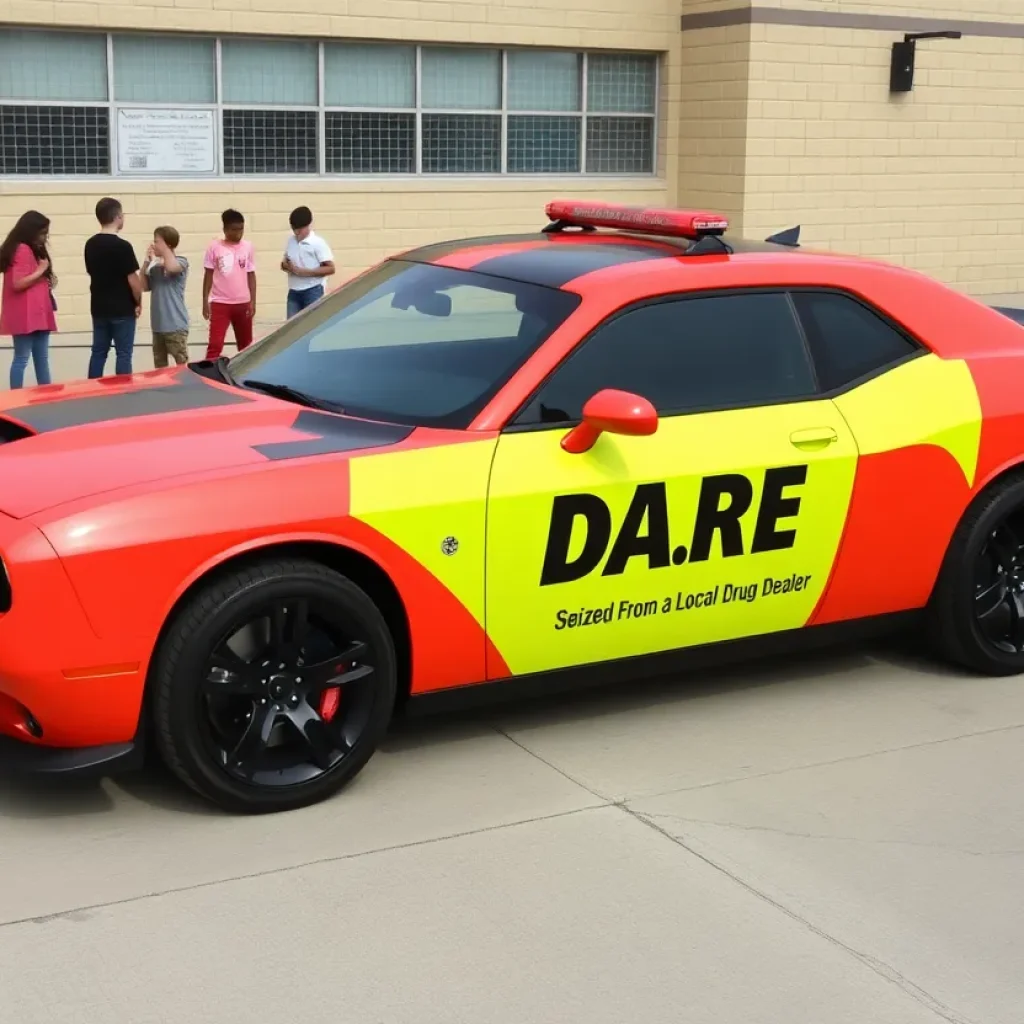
<point x="405" y="121"/>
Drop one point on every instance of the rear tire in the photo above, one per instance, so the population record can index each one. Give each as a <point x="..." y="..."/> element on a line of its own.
<point x="977" y="609"/>
<point x="273" y="686"/>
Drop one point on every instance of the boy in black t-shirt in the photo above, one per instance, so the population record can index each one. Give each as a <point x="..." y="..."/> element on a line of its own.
<point x="115" y="288"/>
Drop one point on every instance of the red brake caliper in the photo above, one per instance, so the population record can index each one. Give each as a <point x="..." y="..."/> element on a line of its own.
<point x="330" y="699"/>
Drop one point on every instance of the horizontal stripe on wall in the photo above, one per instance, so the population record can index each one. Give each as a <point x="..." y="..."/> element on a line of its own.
<point x="838" y="19"/>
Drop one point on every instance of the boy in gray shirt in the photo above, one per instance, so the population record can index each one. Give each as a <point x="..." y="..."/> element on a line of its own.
<point x="164" y="274"/>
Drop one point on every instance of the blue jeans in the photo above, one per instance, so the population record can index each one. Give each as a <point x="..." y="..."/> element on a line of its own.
<point x="36" y="345"/>
<point x="118" y="331"/>
<point x="300" y="298"/>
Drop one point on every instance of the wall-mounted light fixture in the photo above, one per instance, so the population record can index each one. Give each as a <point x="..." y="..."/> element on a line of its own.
<point x="901" y="70"/>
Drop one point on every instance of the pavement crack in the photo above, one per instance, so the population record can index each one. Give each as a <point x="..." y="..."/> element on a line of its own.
<point x="884" y="970"/>
<point x="739" y="827"/>
<point x="772" y="773"/>
<point x="554" y="767"/>
<point x="70" y="912"/>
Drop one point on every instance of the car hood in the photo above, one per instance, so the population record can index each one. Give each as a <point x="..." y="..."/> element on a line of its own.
<point x="63" y="442"/>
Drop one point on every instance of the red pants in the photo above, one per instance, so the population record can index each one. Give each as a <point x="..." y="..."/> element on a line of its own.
<point x="222" y="314"/>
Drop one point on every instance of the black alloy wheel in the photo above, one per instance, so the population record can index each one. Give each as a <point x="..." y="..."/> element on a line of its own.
<point x="977" y="607"/>
<point x="286" y="695"/>
<point x="274" y="686"/>
<point x="999" y="586"/>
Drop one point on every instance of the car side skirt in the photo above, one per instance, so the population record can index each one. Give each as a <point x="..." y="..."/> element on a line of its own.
<point x="686" y="659"/>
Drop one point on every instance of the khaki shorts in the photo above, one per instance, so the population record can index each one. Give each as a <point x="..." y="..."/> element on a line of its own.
<point x="170" y="343"/>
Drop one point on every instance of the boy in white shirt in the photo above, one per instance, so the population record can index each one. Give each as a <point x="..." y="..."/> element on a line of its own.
<point x="307" y="261"/>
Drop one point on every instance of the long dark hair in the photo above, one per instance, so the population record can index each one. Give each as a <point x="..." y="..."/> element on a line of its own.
<point x="28" y="231"/>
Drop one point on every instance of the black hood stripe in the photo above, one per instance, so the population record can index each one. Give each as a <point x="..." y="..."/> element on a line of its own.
<point x="333" y="435"/>
<point x="556" y="265"/>
<point x="187" y="393"/>
<point x="438" y="250"/>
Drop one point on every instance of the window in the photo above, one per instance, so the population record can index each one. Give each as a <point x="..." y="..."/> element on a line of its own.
<point x="54" y="140"/>
<point x="685" y="355"/>
<point x="848" y="340"/>
<point x="173" y="105"/>
<point x="164" y="69"/>
<point x="270" y="142"/>
<point x="459" y="80"/>
<point x="546" y="140"/>
<point x="52" y="66"/>
<point x="377" y="134"/>
<point x="621" y="94"/>
<point x="264" y="76"/>
<point x="410" y="343"/>
<point x="59" y="122"/>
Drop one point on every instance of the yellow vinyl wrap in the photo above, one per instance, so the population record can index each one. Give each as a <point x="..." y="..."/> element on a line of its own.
<point x="496" y="497"/>
<point x="419" y="497"/>
<point x="925" y="401"/>
<point x="644" y="610"/>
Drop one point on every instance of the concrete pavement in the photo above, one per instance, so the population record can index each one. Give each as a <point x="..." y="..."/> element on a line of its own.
<point x="829" y="839"/>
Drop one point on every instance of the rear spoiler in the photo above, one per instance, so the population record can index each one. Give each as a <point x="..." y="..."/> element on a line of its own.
<point x="1016" y="315"/>
<point x="790" y="238"/>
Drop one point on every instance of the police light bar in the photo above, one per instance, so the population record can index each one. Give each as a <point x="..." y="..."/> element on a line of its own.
<point x="690" y="224"/>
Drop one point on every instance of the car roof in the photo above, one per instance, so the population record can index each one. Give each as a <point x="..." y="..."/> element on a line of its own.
<point x="558" y="258"/>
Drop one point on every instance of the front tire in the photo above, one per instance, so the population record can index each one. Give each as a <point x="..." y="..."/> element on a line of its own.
<point x="977" y="609"/>
<point x="273" y="686"/>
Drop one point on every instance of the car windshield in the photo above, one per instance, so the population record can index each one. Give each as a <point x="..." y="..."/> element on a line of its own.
<point x="409" y="343"/>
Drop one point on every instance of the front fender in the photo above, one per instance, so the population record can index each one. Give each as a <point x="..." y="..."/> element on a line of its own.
<point x="133" y="556"/>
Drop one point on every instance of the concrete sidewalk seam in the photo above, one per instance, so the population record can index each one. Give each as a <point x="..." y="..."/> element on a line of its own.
<point x="884" y="970"/>
<point x="733" y="780"/>
<point x="175" y="890"/>
<point x="608" y="801"/>
<point x="739" y="827"/>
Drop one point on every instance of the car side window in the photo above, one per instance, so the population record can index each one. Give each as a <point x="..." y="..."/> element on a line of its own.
<point x="848" y="340"/>
<point x="685" y="355"/>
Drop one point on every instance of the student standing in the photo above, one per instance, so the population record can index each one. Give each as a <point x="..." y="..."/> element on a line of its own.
<point x="307" y="261"/>
<point x="116" y="291"/>
<point x="164" y="274"/>
<point x="229" y="286"/>
<point x="27" y="304"/>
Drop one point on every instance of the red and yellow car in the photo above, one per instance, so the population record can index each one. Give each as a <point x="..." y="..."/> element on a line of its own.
<point x="618" y="445"/>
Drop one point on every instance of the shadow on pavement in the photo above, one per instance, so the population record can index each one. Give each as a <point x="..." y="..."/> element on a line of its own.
<point x="54" y="798"/>
<point x="156" y="787"/>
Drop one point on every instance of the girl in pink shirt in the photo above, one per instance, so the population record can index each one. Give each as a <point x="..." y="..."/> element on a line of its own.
<point x="27" y="303"/>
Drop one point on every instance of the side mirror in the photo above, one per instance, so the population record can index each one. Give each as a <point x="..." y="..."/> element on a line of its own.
<point x="612" y="412"/>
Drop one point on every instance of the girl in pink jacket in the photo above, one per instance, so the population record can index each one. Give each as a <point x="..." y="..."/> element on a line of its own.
<point x="27" y="305"/>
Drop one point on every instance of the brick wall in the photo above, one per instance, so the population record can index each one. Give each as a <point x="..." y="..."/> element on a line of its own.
<point x="714" y="88"/>
<point x="644" y="24"/>
<point x="931" y="179"/>
<point x="978" y="10"/>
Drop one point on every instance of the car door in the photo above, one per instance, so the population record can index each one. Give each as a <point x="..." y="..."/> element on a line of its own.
<point x="722" y="524"/>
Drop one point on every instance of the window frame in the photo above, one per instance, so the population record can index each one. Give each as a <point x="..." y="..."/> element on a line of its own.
<point x="918" y="349"/>
<point x="321" y="109"/>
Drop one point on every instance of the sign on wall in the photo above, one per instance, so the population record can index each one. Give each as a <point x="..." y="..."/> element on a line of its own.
<point x="163" y="141"/>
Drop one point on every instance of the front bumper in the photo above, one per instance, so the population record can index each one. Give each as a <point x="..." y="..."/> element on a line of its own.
<point x="61" y="686"/>
<point x="19" y="758"/>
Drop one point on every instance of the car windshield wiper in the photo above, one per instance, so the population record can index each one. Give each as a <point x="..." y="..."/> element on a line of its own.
<point x="221" y="366"/>
<point x="290" y="394"/>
